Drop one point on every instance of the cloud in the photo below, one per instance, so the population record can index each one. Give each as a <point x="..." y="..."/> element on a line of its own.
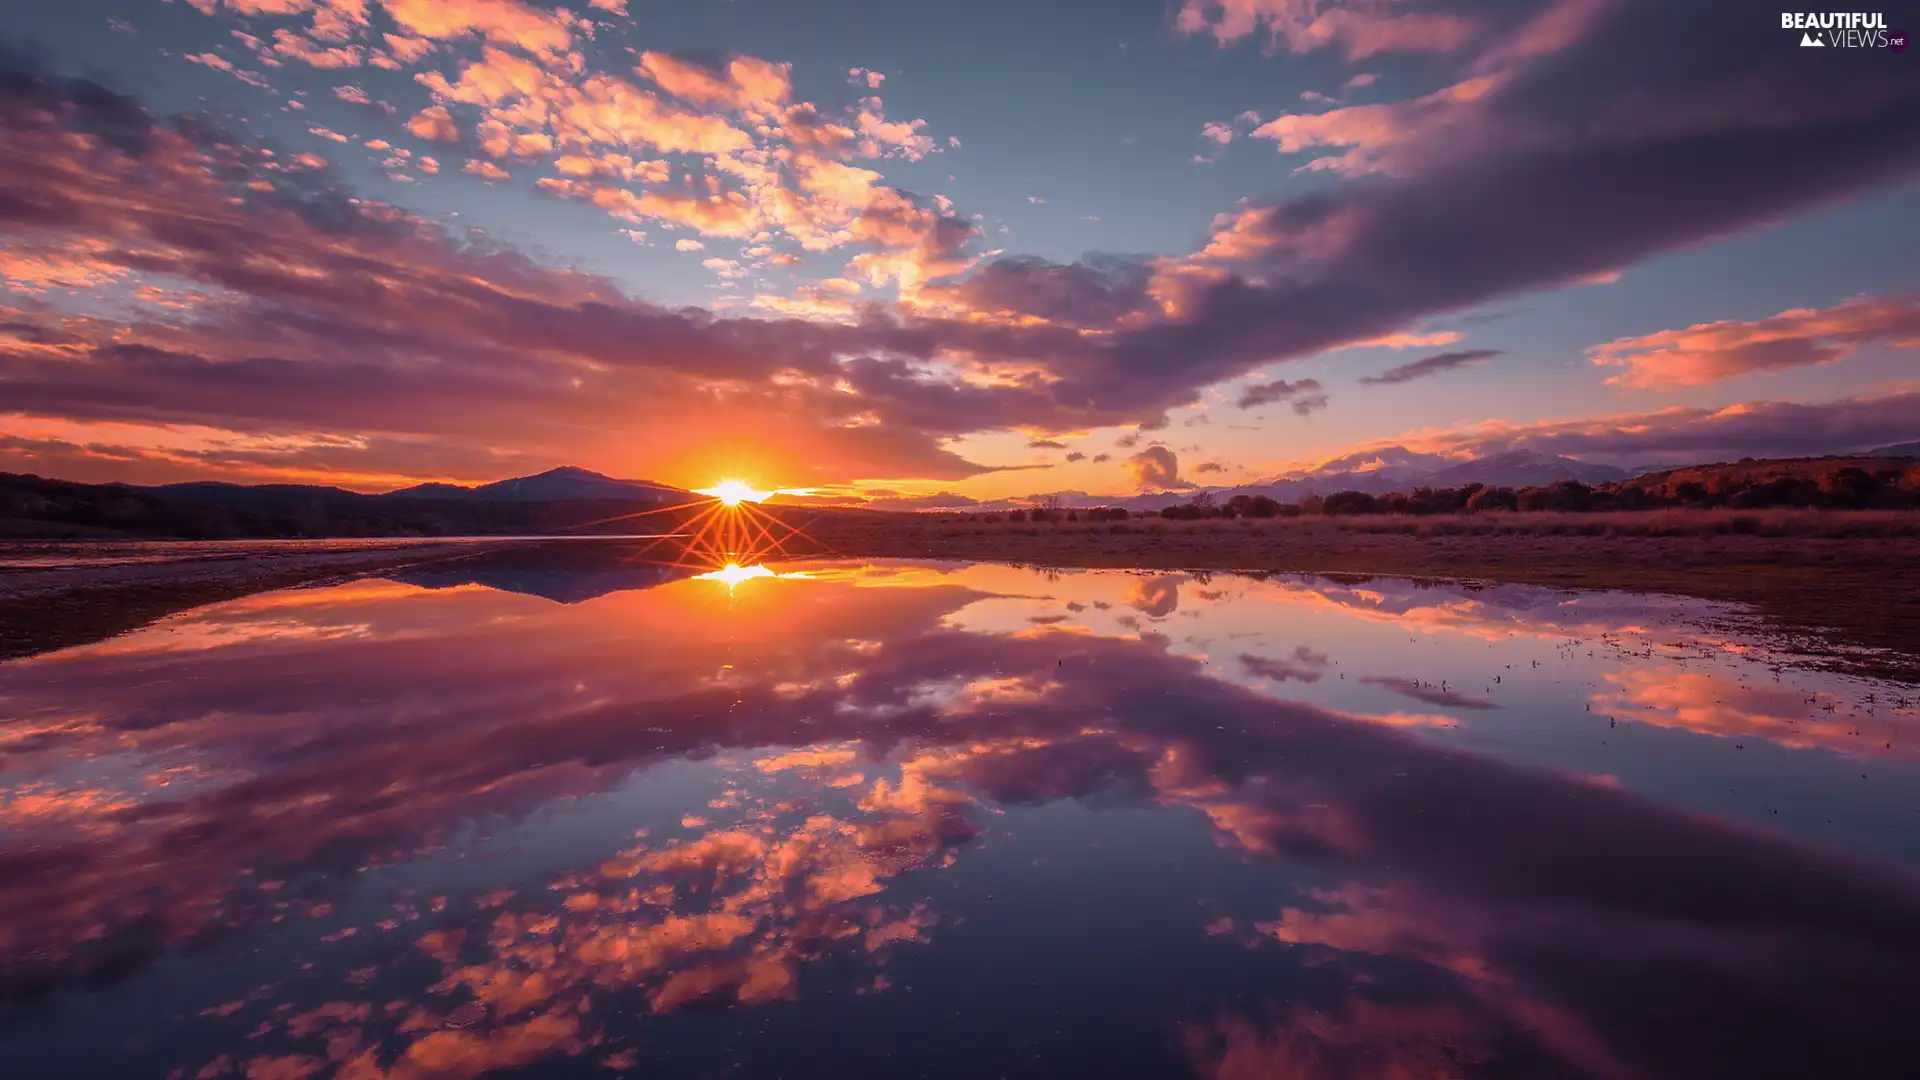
<point x="1373" y="132"/>
<point x="1430" y="365"/>
<point x="1210" y="467"/>
<point x="369" y="321"/>
<point x="1304" y="394"/>
<point x="434" y="123"/>
<point x="1801" y="337"/>
<point x="1157" y="468"/>
<point x="1358" y="28"/>
<point x="1303" y="665"/>
<point x="1538" y="181"/>
<point x="1747" y="429"/>
<point x="1100" y="458"/>
<point x="1046" y="444"/>
<point x="1076" y="456"/>
<point x="735" y="82"/>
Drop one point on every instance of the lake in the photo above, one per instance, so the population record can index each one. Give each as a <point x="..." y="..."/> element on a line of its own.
<point x="951" y="820"/>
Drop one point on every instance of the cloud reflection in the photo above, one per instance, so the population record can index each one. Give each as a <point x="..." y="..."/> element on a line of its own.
<point x="211" y="779"/>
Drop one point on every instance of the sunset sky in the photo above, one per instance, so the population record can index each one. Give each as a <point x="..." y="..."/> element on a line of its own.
<point x="895" y="249"/>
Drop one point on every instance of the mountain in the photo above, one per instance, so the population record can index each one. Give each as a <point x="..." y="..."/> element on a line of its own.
<point x="568" y="483"/>
<point x="1905" y="449"/>
<point x="1396" y="468"/>
<point x="1380" y="471"/>
<point x="1523" y="468"/>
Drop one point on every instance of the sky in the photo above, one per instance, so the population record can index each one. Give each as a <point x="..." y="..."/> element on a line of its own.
<point x="904" y="251"/>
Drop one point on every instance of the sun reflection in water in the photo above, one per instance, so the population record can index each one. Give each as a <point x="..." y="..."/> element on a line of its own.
<point x="733" y="574"/>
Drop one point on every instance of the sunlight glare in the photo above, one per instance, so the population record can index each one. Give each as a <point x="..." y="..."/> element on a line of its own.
<point x="733" y="492"/>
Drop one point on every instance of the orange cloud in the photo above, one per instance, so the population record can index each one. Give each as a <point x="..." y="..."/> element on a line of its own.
<point x="742" y="82"/>
<point x="434" y="123"/>
<point x="1799" y="337"/>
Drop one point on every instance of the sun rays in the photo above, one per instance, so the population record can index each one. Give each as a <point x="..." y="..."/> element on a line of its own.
<point x="724" y="537"/>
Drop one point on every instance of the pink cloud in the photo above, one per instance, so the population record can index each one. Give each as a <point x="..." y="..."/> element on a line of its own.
<point x="1801" y="337"/>
<point x="290" y="45"/>
<point x="1372" y="133"/>
<point x="1359" y="29"/>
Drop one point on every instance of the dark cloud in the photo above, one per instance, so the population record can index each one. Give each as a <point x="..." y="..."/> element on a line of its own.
<point x="1210" y="466"/>
<point x="1431" y="365"/>
<point x="1076" y="456"/>
<point x="1046" y="444"/>
<point x="1099" y="458"/>
<point x="1098" y="292"/>
<point x="1304" y="394"/>
<point x="1158" y="468"/>
<point x="1577" y="161"/>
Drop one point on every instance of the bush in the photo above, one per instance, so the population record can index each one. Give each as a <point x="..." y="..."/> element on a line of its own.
<point x="1350" y="502"/>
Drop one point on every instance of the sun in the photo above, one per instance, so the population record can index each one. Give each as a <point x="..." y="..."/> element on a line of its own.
<point x="733" y="492"/>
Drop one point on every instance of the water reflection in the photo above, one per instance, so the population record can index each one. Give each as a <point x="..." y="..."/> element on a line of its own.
<point x="955" y="821"/>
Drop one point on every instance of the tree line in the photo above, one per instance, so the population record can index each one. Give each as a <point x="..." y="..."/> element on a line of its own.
<point x="1747" y="486"/>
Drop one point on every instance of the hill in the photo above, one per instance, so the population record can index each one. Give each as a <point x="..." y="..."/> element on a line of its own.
<point x="576" y="501"/>
<point x="567" y="483"/>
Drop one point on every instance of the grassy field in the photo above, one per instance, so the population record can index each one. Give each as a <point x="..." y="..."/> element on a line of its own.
<point x="1838" y="581"/>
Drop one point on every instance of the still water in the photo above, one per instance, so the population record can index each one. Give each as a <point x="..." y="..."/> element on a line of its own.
<point x="942" y="820"/>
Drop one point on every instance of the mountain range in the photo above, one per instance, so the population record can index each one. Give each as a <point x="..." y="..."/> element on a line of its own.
<point x="568" y="483"/>
<point x="1396" y="468"/>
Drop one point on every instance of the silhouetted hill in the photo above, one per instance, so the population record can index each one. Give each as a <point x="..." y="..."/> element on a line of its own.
<point x="566" y="483"/>
<point x="32" y="506"/>
<point x="1898" y="450"/>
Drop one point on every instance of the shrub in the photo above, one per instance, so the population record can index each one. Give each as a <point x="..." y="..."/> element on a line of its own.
<point x="1350" y="502"/>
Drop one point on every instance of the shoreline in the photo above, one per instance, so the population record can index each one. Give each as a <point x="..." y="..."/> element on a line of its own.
<point x="1834" y="596"/>
<point x="1847" y="602"/>
<point x="45" y="608"/>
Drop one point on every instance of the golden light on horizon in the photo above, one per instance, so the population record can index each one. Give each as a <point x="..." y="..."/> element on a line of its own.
<point x="734" y="492"/>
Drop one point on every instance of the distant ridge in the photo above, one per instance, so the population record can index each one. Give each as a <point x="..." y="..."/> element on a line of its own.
<point x="565" y="484"/>
<point x="1905" y="449"/>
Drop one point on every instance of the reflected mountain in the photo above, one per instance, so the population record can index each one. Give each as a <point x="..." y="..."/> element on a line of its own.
<point x="951" y="821"/>
<point x="566" y="574"/>
<point x="562" y="585"/>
